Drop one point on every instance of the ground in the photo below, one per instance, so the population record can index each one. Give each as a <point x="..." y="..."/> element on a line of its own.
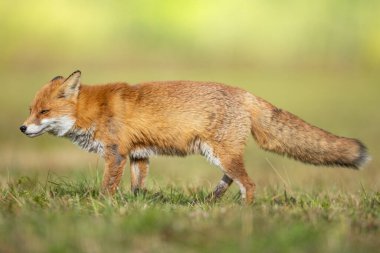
<point x="68" y="215"/>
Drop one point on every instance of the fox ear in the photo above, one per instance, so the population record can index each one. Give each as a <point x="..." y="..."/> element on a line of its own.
<point x="70" y="87"/>
<point x="57" y="78"/>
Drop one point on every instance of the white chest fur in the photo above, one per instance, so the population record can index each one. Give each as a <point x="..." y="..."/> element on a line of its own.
<point x="85" y="140"/>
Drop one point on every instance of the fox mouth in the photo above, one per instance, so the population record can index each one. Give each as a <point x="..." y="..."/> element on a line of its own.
<point x="36" y="133"/>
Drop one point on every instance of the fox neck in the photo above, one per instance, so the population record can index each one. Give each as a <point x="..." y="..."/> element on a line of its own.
<point x="88" y="109"/>
<point x="84" y="128"/>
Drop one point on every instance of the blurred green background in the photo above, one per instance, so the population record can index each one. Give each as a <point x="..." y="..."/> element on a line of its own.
<point x="317" y="59"/>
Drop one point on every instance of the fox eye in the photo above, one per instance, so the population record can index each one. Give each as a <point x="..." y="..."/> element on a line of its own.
<point x="44" y="111"/>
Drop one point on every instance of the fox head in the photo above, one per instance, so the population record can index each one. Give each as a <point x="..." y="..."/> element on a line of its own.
<point x="54" y="106"/>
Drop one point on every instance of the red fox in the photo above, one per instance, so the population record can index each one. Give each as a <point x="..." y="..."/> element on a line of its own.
<point x="179" y="118"/>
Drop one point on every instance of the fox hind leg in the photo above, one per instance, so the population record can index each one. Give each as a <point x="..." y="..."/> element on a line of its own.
<point x="139" y="172"/>
<point x="231" y="163"/>
<point x="233" y="167"/>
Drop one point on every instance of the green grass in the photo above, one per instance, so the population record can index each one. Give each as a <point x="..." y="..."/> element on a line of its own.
<point x="61" y="215"/>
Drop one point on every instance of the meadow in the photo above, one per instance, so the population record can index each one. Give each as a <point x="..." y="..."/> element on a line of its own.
<point x="319" y="60"/>
<point x="59" y="215"/>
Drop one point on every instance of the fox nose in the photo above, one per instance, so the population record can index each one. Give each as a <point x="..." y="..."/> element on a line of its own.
<point x="23" y="129"/>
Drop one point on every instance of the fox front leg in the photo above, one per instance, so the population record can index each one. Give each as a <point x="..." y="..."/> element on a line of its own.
<point x="114" y="167"/>
<point x="139" y="172"/>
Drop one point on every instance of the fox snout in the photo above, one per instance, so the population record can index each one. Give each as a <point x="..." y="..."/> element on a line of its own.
<point x="58" y="126"/>
<point x="32" y="130"/>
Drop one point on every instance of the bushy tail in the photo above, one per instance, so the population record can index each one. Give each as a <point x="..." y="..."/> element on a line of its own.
<point x="284" y="133"/>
